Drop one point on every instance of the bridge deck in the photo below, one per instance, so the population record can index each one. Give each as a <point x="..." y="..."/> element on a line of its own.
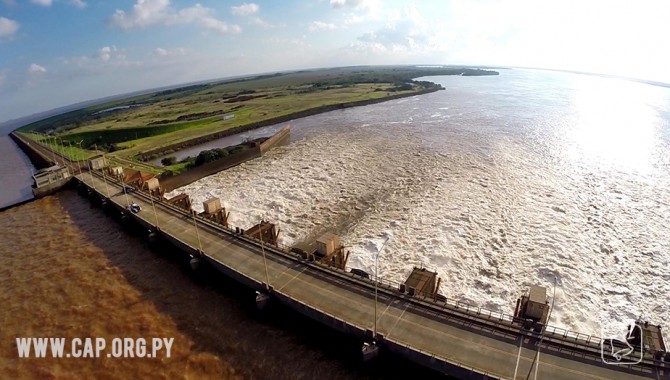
<point x="407" y="327"/>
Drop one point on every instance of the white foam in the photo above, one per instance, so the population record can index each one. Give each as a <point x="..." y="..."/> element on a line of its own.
<point x="491" y="224"/>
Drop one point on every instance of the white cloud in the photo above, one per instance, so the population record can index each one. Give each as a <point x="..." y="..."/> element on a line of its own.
<point x="260" y="22"/>
<point x="244" y="9"/>
<point x="106" y="56"/>
<point x="8" y="27"/>
<point x="161" y="52"/>
<point x="407" y="31"/>
<point x="106" y="53"/>
<point x="151" y="12"/>
<point x="361" y="11"/>
<point x="81" y="4"/>
<point x="346" y="3"/>
<point x="44" y="3"/>
<point x="320" y="25"/>
<point x="218" y="25"/>
<point x="352" y="19"/>
<point x="35" y="68"/>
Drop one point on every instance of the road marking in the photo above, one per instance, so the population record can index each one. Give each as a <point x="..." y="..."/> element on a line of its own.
<point x="384" y="312"/>
<point x="469" y="342"/>
<point x="349" y="300"/>
<point x="398" y="320"/>
<point x="293" y="278"/>
<point x="289" y="267"/>
<point x="537" y="362"/>
<point x="518" y="356"/>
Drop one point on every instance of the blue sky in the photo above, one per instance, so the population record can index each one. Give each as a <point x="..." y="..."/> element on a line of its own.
<point x="57" y="52"/>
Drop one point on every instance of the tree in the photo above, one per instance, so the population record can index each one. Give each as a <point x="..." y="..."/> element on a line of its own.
<point x="167" y="161"/>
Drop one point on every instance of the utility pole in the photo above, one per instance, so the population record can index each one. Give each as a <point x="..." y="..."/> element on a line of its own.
<point x="265" y="263"/>
<point x="104" y="178"/>
<point x="196" y="231"/>
<point x="374" y="332"/>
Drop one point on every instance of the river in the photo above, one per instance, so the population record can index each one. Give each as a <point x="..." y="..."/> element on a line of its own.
<point x="497" y="183"/>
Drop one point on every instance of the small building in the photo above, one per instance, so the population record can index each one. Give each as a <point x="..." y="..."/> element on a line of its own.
<point x="212" y="205"/>
<point x="264" y="231"/>
<point x="537" y="302"/>
<point x="421" y="282"/>
<point x="116" y="171"/>
<point x="327" y="243"/>
<point x="329" y="251"/>
<point x="152" y="183"/>
<point x="50" y="175"/>
<point x="97" y="163"/>
<point x="227" y="116"/>
<point x="213" y="211"/>
<point x="533" y="307"/>
<point x="49" y="180"/>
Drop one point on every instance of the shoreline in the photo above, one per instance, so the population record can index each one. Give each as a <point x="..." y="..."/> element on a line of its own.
<point x="158" y="152"/>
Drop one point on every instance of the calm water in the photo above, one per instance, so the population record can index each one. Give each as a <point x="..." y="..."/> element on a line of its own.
<point x="497" y="183"/>
<point x="15" y="173"/>
<point x="221" y="143"/>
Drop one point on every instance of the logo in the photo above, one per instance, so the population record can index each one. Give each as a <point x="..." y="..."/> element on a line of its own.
<point x="623" y="350"/>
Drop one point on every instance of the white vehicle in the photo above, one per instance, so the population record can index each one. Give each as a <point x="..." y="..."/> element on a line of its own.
<point x="134" y="207"/>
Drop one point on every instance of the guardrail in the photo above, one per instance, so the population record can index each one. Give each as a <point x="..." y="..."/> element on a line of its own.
<point x="446" y="304"/>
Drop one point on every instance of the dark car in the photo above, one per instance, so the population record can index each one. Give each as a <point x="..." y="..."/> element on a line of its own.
<point x="129" y="189"/>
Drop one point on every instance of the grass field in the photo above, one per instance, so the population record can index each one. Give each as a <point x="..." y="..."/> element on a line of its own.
<point x="127" y="128"/>
<point x="69" y="150"/>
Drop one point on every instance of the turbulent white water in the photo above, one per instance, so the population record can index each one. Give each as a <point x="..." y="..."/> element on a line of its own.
<point x="497" y="183"/>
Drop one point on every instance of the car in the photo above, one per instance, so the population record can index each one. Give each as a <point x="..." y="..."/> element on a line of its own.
<point x="134" y="207"/>
<point x="128" y="189"/>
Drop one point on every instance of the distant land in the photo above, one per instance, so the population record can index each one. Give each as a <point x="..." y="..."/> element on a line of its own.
<point x="12" y="124"/>
<point x="137" y="128"/>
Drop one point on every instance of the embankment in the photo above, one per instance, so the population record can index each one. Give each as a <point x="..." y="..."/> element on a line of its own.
<point x="170" y="183"/>
<point x="38" y="160"/>
<point x="275" y="120"/>
<point x="280" y="138"/>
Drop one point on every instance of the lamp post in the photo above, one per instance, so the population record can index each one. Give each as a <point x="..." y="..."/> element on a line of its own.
<point x="265" y="263"/>
<point x="90" y="170"/>
<point x="196" y="230"/>
<point x="74" y="155"/>
<point x="104" y="178"/>
<point x="53" y="153"/>
<point x="123" y="183"/>
<point x="56" y="145"/>
<point x="63" y="156"/>
<point x="79" y="163"/>
<point x="374" y="331"/>
<point x="153" y="205"/>
<point x="537" y="356"/>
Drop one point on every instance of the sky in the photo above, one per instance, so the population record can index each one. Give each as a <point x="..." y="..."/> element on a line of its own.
<point x="58" y="52"/>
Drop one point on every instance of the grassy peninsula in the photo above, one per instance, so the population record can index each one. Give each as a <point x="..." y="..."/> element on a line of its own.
<point x="143" y="127"/>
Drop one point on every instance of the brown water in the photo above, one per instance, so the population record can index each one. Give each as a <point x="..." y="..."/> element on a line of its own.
<point x="15" y="175"/>
<point x="67" y="270"/>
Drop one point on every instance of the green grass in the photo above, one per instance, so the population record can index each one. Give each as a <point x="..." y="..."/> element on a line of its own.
<point x="277" y="102"/>
<point x="71" y="152"/>
<point x="158" y="120"/>
<point x="176" y="168"/>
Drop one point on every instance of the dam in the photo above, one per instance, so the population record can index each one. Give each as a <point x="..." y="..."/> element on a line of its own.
<point x="437" y="332"/>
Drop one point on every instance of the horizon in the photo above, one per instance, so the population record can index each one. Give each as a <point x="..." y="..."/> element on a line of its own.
<point x="58" y="53"/>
